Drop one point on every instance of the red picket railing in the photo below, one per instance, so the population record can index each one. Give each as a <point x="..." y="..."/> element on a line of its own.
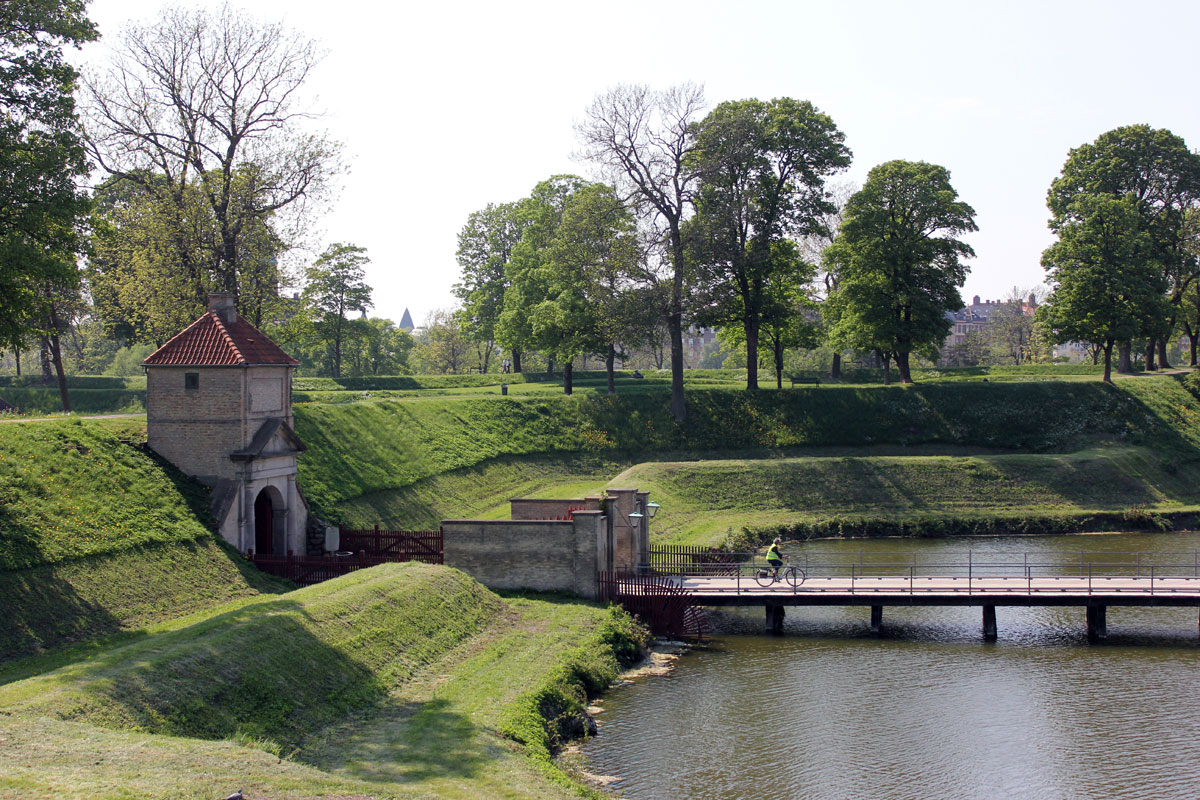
<point x="661" y="604"/>
<point x="360" y="549"/>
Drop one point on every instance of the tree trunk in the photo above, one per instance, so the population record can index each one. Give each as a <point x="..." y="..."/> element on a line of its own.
<point x="337" y="348"/>
<point x="56" y="357"/>
<point x="47" y="374"/>
<point x="835" y="369"/>
<point x="902" y="365"/>
<point x="675" y="325"/>
<point x="1162" y="354"/>
<point x="567" y="370"/>
<point x="1124" y="364"/>
<point x="887" y="367"/>
<point x="17" y="353"/>
<point x="751" y="329"/>
<point x="778" y="362"/>
<point x="1150" y="355"/>
<point x="1192" y="338"/>
<point x="1096" y="355"/>
<point x="487" y="356"/>
<point x="516" y="360"/>
<point x="609" y="360"/>
<point x="549" y="366"/>
<point x="1108" y="345"/>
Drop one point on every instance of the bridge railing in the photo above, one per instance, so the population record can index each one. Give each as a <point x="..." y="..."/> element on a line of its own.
<point x="1025" y="573"/>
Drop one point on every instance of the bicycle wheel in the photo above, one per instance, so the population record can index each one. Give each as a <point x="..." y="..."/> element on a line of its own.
<point x="763" y="576"/>
<point x="795" y="576"/>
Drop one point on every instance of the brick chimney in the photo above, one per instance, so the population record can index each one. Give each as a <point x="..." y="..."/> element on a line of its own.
<point x="224" y="304"/>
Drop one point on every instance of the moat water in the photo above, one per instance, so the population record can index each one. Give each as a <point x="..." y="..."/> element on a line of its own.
<point x="926" y="709"/>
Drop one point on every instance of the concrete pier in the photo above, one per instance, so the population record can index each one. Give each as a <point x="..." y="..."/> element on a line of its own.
<point x="876" y="619"/>
<point x="989" y="623"/>
<point x="1097" y="622"/>
<point x="774" y="619"/>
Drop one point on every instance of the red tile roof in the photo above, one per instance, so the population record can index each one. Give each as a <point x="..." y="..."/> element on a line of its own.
<point x="209" y="342"/>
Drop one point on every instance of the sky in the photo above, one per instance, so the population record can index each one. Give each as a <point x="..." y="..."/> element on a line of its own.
<point x="445" y="107"/>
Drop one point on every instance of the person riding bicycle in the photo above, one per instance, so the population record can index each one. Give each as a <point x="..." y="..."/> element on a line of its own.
<point x="775" y="557"/>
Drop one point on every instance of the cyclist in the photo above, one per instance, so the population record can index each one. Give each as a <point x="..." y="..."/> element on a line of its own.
<point x="775" y="557"/>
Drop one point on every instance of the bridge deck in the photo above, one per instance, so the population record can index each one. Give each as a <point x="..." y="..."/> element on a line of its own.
<point x="947" y="591"/>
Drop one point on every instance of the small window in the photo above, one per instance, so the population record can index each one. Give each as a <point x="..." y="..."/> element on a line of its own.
<point x="191" y="380"/>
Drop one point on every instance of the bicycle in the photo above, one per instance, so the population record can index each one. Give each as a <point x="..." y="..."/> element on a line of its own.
<point x="791" y="573"/>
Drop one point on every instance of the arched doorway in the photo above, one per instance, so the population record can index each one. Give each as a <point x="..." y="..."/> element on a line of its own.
<point x="264" y="523"/>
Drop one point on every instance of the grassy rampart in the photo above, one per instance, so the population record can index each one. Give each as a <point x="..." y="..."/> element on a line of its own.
<point x="99" y="536"/>
<point x="371" y="449"/>
<point x="403" y="673"/>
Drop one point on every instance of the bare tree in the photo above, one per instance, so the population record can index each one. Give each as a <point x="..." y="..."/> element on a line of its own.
<point x="642" y="141"/>
<point x="210" y="102"/>
<point x="813" y="246"/>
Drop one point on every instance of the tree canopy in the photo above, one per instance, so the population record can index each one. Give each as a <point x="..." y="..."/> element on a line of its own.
<point x="900" y="262"/>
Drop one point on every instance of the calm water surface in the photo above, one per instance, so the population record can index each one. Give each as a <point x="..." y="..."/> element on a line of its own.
<point x="927" y="709"/>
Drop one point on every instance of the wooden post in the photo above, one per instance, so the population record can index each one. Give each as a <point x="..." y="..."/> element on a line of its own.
<point x="774" y="619"/>
<point x="1097" y="622"/>
<point x="876" y="619"/>
<point x="989" y="623"/>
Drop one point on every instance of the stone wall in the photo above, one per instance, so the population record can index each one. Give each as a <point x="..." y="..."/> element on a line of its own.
<point x="529" y="508"/>
<point x="538" y="555"/>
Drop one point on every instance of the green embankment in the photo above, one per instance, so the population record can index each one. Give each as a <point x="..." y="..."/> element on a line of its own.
<point x="400" y="459"/>
<point x="411" y="677"/>
<point x="97" y="536"/>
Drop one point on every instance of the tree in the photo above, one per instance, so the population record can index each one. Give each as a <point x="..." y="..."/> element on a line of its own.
<point x="899" y="262"/>
<point x="485" y="246"/>
<point x="41" y="160"/>
<point x="814" y="245"/>
<point x="336" y="285"/>
<point x="441" y="347"/>
<point x="763" y="166"/>
<point x="200" y="112"/>
<point x="643" y="141"/>
<point x="592" y="264"/>
<point x="1010" y="326"/>
<point x="1155" y="168"/>
<point x="1102" y="276"/>
<point x="538" y="217"/>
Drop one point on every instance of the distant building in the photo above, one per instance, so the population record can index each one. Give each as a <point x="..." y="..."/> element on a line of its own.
<point x="219" y="407"/>
<point x="977" y="316"/>
<point x="406" y="323"/>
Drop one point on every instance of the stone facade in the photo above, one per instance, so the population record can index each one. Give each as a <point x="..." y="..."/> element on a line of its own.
<point x="218" y="406"/>
<point x="539" y="549"/>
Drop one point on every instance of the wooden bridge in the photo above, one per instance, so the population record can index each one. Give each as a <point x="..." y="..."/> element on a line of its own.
<point x="1093" y="581"/>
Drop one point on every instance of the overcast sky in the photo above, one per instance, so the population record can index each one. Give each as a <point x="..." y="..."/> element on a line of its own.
<point x="444" y="106"/>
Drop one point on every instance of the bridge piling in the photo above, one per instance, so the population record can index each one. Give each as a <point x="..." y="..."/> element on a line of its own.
<point x="774" y="619"/>
<point x="876" y="619"/>
<point x="989" y="623"/>
<point x="1097" y="623"/>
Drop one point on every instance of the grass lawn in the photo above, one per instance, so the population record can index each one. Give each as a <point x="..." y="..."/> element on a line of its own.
<point x="402" y="680"/>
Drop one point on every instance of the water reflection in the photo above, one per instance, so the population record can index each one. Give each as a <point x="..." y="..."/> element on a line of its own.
<point x="927" y="709"/>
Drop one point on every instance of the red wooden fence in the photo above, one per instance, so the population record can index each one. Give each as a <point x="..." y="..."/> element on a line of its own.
<point x="660" y="604"/>
<point x="360" y="549"/>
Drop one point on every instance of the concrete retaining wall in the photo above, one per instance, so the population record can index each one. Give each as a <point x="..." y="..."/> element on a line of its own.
<point x="530" y="554"/>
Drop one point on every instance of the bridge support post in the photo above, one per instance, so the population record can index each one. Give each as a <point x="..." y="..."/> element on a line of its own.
<point x="989" y="623"/>
<point x="774" y="619"/>
<point x="876" y="619"/>
<point x="1097" y="622"/>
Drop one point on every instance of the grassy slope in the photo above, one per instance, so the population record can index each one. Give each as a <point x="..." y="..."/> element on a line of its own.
<point x="402" y="673"/>
<point x="97" y="536"/>
<point x="702" y="501"/>
<point x="372" y="458"/>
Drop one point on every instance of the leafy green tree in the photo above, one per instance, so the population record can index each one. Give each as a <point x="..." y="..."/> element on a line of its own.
<point x="763" y="167"/>
<point x="442" y="347"/>
<point x="591" y="267"/>
<point x="485" y="246"/>
<point x="899" y="262"/>
<point x="42" y="161"/>
<point x="538" y="217"/>
<point x="1102" y="276"/>
<point x="336" y="285"/>
<point x="1157" y="170"/>
<point x="644" y="141"/>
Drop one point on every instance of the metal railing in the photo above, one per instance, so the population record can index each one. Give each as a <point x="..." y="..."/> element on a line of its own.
<point x="966" y="573"/>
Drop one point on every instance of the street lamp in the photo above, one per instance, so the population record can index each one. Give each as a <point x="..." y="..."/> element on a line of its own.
<point x="652" y="508"/>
